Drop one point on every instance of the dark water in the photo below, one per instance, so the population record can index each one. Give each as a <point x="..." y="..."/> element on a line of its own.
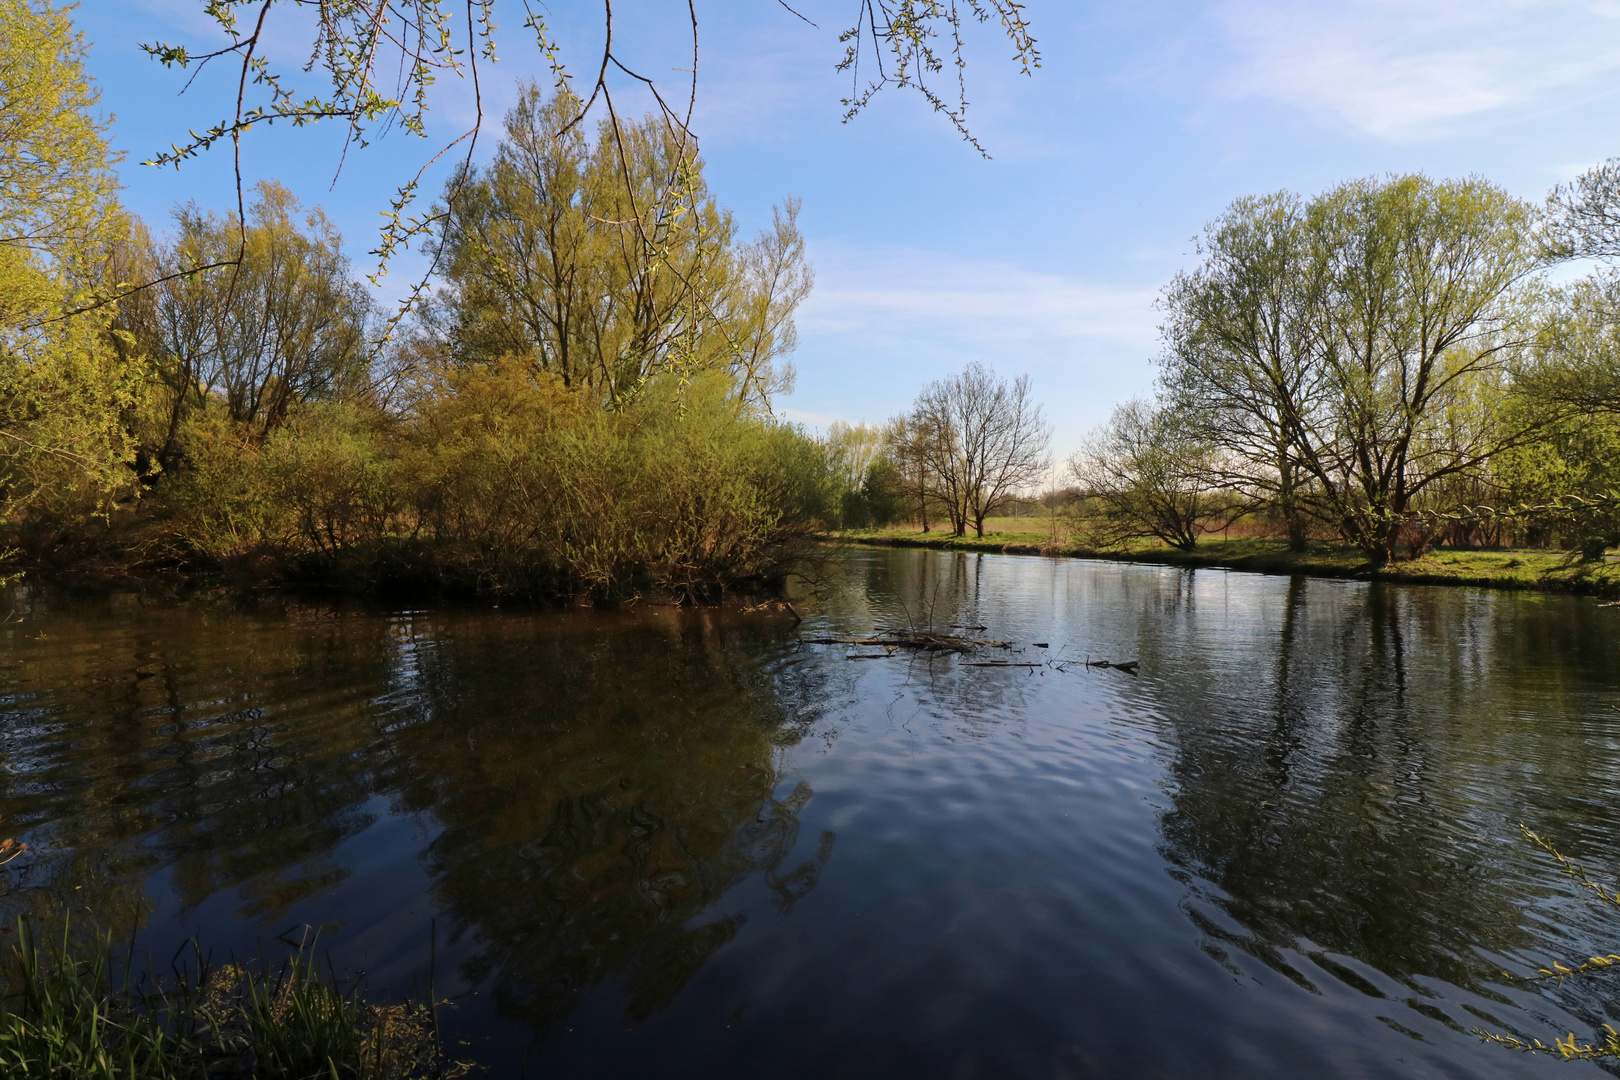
<point x="686" y="844"/>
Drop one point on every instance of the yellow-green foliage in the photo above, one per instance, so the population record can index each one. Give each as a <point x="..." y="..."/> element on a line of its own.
<point x="503" y="481"/>
<point x="63" y="387"/>
<point x="514" y="473"/>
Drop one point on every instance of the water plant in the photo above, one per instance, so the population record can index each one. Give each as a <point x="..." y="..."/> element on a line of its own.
<point x="1567" y="1047"/>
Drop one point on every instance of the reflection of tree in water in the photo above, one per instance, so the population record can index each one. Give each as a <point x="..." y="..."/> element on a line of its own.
<point x="1349" y="784"/>
<point x="215" y="746"/>
<point x="623" y="786"/>
<point x="600" y="782"/>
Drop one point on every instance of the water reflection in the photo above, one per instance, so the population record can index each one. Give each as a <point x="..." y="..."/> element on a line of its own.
<point x="596" y="786"/>
<point x="1348" y="776"/>
<point x="688" y="844"/>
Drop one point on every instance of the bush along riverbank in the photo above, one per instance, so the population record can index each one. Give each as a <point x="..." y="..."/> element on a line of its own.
<point x="507" y="485"/>
<point x="1550" y="571"/>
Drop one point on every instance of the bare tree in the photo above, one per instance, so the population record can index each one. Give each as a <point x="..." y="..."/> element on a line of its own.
<point x="1146" y="471"/>
<point x="982" y="439"/>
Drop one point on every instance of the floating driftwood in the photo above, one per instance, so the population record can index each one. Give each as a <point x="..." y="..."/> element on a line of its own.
<point x="923" y="640"/>
<point x="1128" y="665"/>
<point x="999" y="663"/>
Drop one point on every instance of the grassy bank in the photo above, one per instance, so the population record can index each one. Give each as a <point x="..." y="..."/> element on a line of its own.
<point x="77" y="1008"/>
<point x="1555" y="571"/>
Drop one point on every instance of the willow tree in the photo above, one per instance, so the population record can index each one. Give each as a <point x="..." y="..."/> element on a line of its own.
<point x="1241" y="336"/>
<point x="64" y="388"/>
<point x="1348" y="354"/>
<point x="384" y="63"/>
<point x="608" y="262"/>
<point x="1421" y="318"/>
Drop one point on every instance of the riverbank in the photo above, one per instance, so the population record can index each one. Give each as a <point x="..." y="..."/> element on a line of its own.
<point x="1548" y="571"/>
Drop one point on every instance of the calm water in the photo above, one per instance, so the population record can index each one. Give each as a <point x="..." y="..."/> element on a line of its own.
<point x="688" y="844"/>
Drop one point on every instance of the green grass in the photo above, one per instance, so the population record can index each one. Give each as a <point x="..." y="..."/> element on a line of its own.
<point x="1511" y="569"/>
<point x="74" y="1009"/>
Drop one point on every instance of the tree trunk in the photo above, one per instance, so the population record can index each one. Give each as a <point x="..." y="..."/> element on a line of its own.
<point x="1293" y="520"/>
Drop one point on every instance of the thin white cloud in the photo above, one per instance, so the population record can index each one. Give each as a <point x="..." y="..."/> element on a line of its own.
<point x="1404" y="70"/>
<point x="903" y="295"/>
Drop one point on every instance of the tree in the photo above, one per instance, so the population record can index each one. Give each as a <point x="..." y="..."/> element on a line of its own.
<point x="1347" y="354"/>
<point x="353" y="42"/>
<point x="908" y="442"/>
<point x="287" y="326"/>
<point x="1242" y="336"/>
<point x="868" y="479"/>
<point x="1584" y="215"/>
<point x="564" y="252"/>
<point x="64" y="388"/>
<point x="1147" y="471"/>
<point x="1420" y="316"/>
<point x="981" y="440"/>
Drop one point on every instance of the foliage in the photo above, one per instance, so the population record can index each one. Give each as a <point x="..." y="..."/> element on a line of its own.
<point x="1239" y="341"/>
<point x="865" y="474"/>
<point x="64" y="386"/>
<point x="1567" y="1047"/>
<point x="578" y="255"/>
<point x="1145" y="473"/>
<point x="284" y="327"/>
<point x="1351" y="352"/>
<point x="501" y="481"/>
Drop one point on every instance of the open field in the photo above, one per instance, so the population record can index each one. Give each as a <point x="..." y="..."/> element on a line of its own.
<point x="1550" y="570"/>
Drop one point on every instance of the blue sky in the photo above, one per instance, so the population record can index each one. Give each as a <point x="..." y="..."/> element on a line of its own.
<point x="1144" y="120"/>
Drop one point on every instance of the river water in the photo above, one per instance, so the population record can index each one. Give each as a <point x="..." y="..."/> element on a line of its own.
<point x="665" y="843"/>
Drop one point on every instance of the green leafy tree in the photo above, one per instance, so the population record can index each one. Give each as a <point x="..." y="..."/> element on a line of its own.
<point x="65" y="389"/>
<point x="1425" y="288"/>
<point x="607" y="262"/>
<point x="1241" y="339"/>
<point x="1145" y="472"/>
<point x="1348" y="354"/>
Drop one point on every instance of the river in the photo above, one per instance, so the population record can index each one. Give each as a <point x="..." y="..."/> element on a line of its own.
<point x="688" y="843"/>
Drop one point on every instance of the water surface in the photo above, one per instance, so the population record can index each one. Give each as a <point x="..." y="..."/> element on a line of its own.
<point x="689" y="844"/>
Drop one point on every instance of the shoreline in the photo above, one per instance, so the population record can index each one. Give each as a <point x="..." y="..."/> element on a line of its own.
<point x="1494" y="568"/>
